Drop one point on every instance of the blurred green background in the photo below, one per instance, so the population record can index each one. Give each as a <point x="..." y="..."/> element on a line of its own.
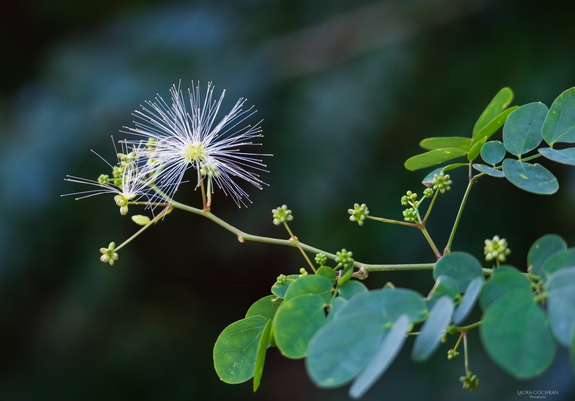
<point x="346" y="89"/>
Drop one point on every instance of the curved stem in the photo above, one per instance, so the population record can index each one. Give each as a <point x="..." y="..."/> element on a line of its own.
<point x="243" y="236"/>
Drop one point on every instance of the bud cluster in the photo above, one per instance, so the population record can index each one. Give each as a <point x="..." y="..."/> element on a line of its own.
<point x="344" y="257"/>
<point x="441" y="182"/>
<point x="108" y="254"/>
<point x="358" y="213"/>
<point x="496" y="249"/>
<point x="320" y="259"/>
<point x="282" y="215"/>
<point x="410" y="215"/>
<point x="470" y="381"/>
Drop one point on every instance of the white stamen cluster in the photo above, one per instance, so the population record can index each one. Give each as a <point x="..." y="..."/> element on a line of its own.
<point x="179" y="140"/>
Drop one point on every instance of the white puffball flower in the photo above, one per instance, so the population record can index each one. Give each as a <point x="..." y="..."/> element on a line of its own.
<point x="179" y="140"/>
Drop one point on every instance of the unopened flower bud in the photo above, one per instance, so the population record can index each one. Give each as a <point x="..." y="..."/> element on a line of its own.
<point x="281" y="215"/>
<point x="320" y="259"/>
<point x="140" y="220"/>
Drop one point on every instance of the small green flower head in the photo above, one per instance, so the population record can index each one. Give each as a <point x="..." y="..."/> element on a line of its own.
<point x="441" y="182"/>
<point x="320" y="259"/>
<point x="108" y="254"/>
<point x="470" y="381"/>
<point x="282" y="279"/>
<point x="408" y="197"/>
<point x="452" y="354"/>
<point x="428" y="192"/>
<point x="344" y="257"/>
<point x="496" y="249"/>
<point x="410" y="215"/>
<point x="358" y="213"/>
<point x="282" y="215"/>
<point x="104" y="179"/>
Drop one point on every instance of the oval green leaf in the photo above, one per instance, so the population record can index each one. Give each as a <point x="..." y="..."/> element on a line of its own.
<point x="561" y="304"/>
<point x="444" y="285"/>
<point x="382" y="358"/>
<point x="565" y="156"/>
<point x="430" y="334"/>
<point x="279" y="290"/>
<point x="559" y="126"/>
<point x="261" y="355"/>
<point x="468" y="301"/>
<point x="489" y="170"/>
<point x="311" y="284"/>
<point x="342" y="348"/>
<point x="446" y="142"/>
<point x="460" y="266"/>
<point x="522" y="130"/>
<point x="266" y="307"/>
<point x="530" y="177"/>
<point x="295" y="323"/>
<point x="493" y="152"/>
<point x="559" y="260"/>
<point x="504" y="280"/>
<point x="542" y="249"/>
<point x="328" y="273"/>
<point x="334" y="307"/>
<point x="388" y="303"/>
<point x="236" y="348"/>
<point x="501" y="100"/>
<point x="492" y="127"/>
<point x="433" y="157"/>
<point x="476" y="149"/>
<point x="351" y="288"/>
<point x="515" y="333"/>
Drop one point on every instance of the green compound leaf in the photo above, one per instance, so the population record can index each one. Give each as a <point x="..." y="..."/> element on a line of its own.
<point x="561" y="304"/>
<point x="542" y="249"/>
<point x="504" y="280"/>
<point x="444" y="285"/>
<point x="266" y="307"/>
<point x="383" y="357"/>
<point x="489" y="170"/>
<point x="476" y="149"/>
<point x="468" y="301"/>
<point x="236" y="348"/>
<point x="446" y="142"/>
<point x="311" y="284"/>
<point x="530" y="177"/>
<point x="388" y="303"/>
<point x="261" y="355"/>
<point x="295" y="323"/>
<point x="515" y="333"/>
<point x="460" y="266"/>
<point x="492" y="127"/>
<point x="565" y="156"/>
<point x="522" y="130"/>
<point x="559" y="126"/>
<point x="328" y="273"/>
<point x="430" y="334"/>
<point x="279" y="290"/>
<point x="433" y="157"/>
<point x="342" y="348"/>
<point x="493" y="109"/>
<point x="351" y="288"/>
<point x="428" y="180"/>
<point x="558" y="260"/>
<point x="334" y="307"/>
<point x="493" y="152"/>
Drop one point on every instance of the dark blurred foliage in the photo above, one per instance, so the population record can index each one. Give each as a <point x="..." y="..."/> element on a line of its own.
<point x="346" y="89"/>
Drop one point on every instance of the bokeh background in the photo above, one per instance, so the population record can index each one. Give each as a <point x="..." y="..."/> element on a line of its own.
<point x="346" y="89"/>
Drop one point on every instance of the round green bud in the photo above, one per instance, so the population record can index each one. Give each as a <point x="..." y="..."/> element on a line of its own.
<point x="281" y="215"/>
<point x="320" y="259"/>
<point x="344" y="257"/>
<point x="410" y="215"/>
<point x="428" y="192"/>
<point x="302" y="272"/>
<point x="441" y="182"/>
<point x="104" y="179"/>
<point x="124" y="210"/>
<point x="358" y="213"/>
<point x="140" y="220"/>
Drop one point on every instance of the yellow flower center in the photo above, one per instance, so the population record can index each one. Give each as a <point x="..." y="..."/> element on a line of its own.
<point x="194" y="152"/>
